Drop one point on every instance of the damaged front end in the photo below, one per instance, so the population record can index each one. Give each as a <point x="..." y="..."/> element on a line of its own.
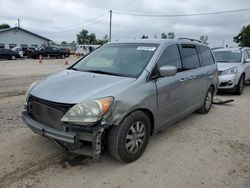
<point x="44" y="118"/>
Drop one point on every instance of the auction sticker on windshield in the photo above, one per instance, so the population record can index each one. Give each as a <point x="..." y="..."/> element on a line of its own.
<point x="147" y="48"/>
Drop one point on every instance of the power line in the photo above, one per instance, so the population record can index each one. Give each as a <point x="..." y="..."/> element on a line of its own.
<point x="181" y="15"/>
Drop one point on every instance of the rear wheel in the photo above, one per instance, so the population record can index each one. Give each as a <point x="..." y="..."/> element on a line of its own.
<point x="207" y="104"/>
<point x="62" y="56"/>
<point x="240" y="86"/>
<point x="13" y="57"/>
<point x="128" y="141"/>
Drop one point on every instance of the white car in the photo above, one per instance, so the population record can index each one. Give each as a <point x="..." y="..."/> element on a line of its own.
<point x="85" y="49"/>
<point x="234" y="68"/>
<point x="18" y="50"/>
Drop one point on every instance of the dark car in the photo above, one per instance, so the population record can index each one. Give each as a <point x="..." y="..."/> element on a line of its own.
<point x="49" y="52"/>
<point x="66" y="50"/>
<point x="31" y="52"/>
<point x="8" y="54"/>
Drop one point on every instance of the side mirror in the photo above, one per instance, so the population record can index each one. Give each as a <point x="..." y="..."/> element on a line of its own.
<point x="247" y="60"/>
<point x="168" y="71"/>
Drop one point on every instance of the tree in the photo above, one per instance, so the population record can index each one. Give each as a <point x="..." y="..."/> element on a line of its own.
<point x="171" y="35"/>
<point x="4" y="26"/>
<point x="64" y="43"/>
<point x="243" y="38"/>
<point x="83" y="37"/>
<point x="163" y="35"/>
<point x="204" y="38"/>
<point x="144" y="37"/>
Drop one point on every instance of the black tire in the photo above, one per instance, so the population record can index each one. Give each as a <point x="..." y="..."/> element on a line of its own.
<point x="40" y="56"/>
<point x="63" y="56"/>
<point x="118" y="137"/>
<point x="208" y="101"/>
<point x="240" y="86"/>
<point x="12" y="57"/>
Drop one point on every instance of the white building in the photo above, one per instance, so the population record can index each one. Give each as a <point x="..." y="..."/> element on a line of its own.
<point x="17" y="36"/>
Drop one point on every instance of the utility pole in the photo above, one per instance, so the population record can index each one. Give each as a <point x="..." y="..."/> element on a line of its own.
<point x="18" y="22"/>
<point x="110" y="24"/>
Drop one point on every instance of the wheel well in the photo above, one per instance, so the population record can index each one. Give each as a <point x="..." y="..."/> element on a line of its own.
<point x="212" y="85"/>
<point x="150" y="115"/>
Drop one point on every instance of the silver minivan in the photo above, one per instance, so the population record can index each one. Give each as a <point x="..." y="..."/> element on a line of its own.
<point x="120" y="94"/>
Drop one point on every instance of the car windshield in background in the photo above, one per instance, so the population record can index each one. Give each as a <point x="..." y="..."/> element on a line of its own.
<point x="227" y="56"/>
<point x="118" y="59"/>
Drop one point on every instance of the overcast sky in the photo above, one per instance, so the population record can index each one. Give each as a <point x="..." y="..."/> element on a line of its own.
<point x="62" y="19"/>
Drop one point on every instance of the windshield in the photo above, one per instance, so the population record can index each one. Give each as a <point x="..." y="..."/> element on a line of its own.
<point x="118" y="59"/>
<point x="227" y="56"/>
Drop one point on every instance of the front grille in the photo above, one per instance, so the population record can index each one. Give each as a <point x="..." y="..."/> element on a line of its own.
<point x="46" y="112"/>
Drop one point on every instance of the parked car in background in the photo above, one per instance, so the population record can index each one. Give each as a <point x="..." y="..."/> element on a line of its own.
<point x="122" y="93"/>
<point x="18" y="50"/>
<point x="49" y="52"/>
<point x="66" y="50"/>
<point x="84" y="50"/>
<point x="8" y="54"/>
<point x="234" y="68"/>
<point x="31" y="52"/>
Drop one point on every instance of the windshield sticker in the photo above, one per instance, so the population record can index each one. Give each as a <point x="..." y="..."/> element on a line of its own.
<point x="147" y="48"/>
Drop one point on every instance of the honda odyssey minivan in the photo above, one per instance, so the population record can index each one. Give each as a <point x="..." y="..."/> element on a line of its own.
<point x="120" y="94"/>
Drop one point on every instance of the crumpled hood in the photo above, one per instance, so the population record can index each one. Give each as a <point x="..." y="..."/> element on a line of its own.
<point x="72" y="87"/>
<point x="224" y="66"/>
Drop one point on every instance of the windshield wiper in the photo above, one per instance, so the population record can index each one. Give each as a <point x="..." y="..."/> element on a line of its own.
<point x="104" y="72"/>
<point x="74" y="69"/>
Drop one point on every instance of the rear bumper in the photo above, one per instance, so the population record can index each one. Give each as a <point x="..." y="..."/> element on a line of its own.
<point x="72" y="141"/>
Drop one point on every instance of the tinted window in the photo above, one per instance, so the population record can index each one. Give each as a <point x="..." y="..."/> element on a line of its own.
<point x="206" y="56"/>
<point x="170" y="57"/>
<point x="190" y="57"/>
<point x="2" y="45"/>
<point x="228" y="56"/>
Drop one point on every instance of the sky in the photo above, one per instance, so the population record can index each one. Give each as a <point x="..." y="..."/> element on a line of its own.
<point x="61" y="20"/>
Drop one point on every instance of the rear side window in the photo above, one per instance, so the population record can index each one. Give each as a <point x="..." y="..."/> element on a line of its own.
<point x="248" y="51"/>
<point x="170" y="57"/>
<point x="206" y="56"/>
<point x="190" y="57"/>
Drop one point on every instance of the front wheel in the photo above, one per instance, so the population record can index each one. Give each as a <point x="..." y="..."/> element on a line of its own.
<point x="208" y="101"/>
<point x="128" y="141"/>
<point x="240" y="86"/>
<point x="62" y="56"/>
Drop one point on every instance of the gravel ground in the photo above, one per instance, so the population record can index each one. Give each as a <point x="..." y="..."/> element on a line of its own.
<point x="211" y="150"/>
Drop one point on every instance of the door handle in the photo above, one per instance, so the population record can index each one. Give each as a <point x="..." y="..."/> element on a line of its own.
<point x="182" y="80"/>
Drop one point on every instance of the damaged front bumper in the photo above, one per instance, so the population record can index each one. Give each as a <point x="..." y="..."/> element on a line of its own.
<point x="86" y="142"/>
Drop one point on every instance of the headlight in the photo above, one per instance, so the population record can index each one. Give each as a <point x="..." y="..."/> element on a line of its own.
<point x="89" y="112"/>
<point x="28" y="92"/>
<point x="230" y="71"/>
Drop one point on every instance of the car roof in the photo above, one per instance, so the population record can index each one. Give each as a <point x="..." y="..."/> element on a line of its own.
<point x="231" y="49"/>
<point x="159" y="41"/>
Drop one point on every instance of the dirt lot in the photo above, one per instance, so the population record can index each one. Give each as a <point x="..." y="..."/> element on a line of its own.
<point x="210" y="150"/>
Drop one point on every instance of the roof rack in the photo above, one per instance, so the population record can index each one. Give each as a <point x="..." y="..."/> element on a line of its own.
<point x="189" y="39"/>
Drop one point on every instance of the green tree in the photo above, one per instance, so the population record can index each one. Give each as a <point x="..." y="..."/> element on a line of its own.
<point x="4" y="26"/>
<point x="171" y="35"/>
<point x="64" y="42"/>
<point x="144" y="37"/>
<point x="163" y="35"/>
<point x="83" y="37"/>
<point x="243" y="38"/>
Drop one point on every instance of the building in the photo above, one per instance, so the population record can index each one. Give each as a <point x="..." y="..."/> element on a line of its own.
<point x="17" y="36"/>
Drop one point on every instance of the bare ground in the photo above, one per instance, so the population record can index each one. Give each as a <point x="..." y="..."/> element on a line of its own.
<point x="210" y="150"/>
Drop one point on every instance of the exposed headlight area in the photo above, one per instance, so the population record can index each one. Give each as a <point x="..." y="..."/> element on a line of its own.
<point x="88" y="112"/>
<point x="28" y="93"/>
<point x="229" y="71"/>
